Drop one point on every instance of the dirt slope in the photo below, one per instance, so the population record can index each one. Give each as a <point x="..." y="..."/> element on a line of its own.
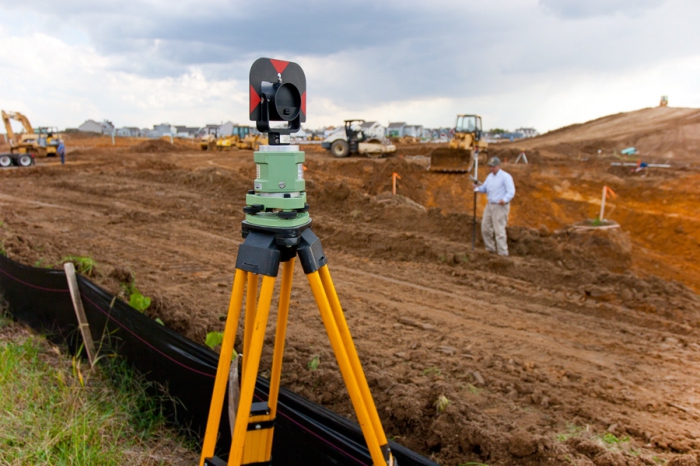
<point x="661" y="133"/>
<point x="581" y="348"/>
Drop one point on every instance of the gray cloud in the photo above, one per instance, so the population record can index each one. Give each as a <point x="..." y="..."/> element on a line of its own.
<point x="577" y="9"/>
<point x="367" y="52"/>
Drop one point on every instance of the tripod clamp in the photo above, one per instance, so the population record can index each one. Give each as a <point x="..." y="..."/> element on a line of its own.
<point x="265" y="248"/>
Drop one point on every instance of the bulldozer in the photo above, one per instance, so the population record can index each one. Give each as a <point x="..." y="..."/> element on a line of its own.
<point x="464" y="151"/>
<point x="208" y="142"/>
<point x="354" y="140"/>
<point x="252" y="141"/>
<point x="43" y="141"/>
<point x="241" y="138"/>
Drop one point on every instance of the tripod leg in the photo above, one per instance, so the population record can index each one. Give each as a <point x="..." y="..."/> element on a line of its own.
<point x="251" y="365"/>
<point x="249" y="319"/>
<point x="222" y="370"/>
<point x="346" y="370"/>
<point x="280" y="336"/>
<point x="349" y="345"/>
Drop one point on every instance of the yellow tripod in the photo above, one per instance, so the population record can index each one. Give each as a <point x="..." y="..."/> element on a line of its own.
<point x="261" y="254"/>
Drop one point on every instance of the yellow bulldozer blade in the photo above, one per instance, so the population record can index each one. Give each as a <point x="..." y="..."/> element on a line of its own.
<point x="451" y="160"/>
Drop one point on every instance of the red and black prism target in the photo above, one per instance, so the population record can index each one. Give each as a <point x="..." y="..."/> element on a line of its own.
<point x="277" y="93"/>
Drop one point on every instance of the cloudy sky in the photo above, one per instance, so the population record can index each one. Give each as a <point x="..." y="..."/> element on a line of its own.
<point x="539" y="63"/>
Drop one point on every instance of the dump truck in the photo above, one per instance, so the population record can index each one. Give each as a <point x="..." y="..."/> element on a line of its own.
<point x="43" y="141"/>
<point x="461" y="154"/>
<point x="356" y="138"/>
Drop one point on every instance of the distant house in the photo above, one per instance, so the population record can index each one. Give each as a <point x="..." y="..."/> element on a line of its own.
<point x="185" y="132"/>
<point x="129" y="132"/>
<point x="396" y="130"/>
<point x="414" y="131"/>
<point x="208" y="129"/>
<point x="226" y="129"/>
<point x="527" y="132"/>
<point x="91" y="126"/>
<point x="163" y="129"/>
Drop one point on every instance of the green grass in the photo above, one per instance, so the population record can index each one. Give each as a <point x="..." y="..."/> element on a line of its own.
<point x="56" y="411"/>
<point x="83" y="265"/>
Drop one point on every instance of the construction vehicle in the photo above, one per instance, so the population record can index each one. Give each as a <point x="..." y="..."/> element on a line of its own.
<point x="43" y="141"/>
<point x="353" y="138"/>
<point x="664" y="101"/>
<point x="234" y="139"/>
<point x="21" y="160"/>
<point x="252" y="141"/>
<point x="208" y="142"/>
<point x="463" y="150"/>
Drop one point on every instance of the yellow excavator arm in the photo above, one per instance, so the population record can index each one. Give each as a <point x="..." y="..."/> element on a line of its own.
<point x="22" y="119"/>
<point x="8" y="128"/>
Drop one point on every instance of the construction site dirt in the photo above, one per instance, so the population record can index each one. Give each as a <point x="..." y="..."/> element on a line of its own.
<point x="580" y="348"/>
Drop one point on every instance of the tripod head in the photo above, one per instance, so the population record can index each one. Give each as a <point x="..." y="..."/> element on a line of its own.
<point x="278" y="200"/>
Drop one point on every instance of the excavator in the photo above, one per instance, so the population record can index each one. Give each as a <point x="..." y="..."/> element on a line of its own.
<point x="461" y="154"/>
<point x="43" y="141"/>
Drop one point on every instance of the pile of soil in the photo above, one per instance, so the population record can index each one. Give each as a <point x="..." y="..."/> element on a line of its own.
<point x="157" y="146"/>
<point x="574" y="349"/>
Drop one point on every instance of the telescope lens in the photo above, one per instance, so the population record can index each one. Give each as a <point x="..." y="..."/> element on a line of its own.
<point x="287" y="101"/>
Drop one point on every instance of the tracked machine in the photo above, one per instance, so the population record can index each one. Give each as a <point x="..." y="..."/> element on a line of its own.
<point x="464" y="150"/>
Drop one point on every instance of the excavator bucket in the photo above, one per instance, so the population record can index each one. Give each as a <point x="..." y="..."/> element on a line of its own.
<point x="451" y="160"/>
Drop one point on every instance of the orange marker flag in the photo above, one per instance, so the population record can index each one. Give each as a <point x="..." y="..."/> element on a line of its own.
<point x="394" y="176"/>
<point x="611" y="192"/>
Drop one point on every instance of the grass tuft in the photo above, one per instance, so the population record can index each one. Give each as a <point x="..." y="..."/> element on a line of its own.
<point x="58" y="411"/>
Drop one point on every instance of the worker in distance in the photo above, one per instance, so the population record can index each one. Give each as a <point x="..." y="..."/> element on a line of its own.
<point x="500" y="190"/>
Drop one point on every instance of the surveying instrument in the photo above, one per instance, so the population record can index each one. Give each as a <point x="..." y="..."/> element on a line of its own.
<point x="276" y="229"/>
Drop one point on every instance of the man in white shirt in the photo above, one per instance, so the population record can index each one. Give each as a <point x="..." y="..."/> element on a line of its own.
<point x="500" y="190"/>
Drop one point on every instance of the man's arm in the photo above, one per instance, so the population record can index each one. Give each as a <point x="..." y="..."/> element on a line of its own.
<point x="510" y="189"/>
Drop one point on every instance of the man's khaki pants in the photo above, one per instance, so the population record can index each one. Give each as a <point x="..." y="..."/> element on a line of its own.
<point x="494" y="224"/>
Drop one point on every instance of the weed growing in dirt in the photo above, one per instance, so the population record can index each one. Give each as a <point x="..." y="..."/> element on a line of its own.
<point x="611" y="439"/>
<point x="441" y="404"/>
<point x="313" y="364"/>
<point x="571" y="431"/>
<point x="42" y="264"/>
<point x="432" y="371"/>
<point x="473" y="389"/>
<point x="83" y="265"/>
<point x="2" y="249"/>
<point x="136" y="300"/>
<point x="214" y="339"/>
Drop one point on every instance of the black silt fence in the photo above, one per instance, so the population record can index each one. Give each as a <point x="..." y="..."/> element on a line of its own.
<point x="305" y="433"/>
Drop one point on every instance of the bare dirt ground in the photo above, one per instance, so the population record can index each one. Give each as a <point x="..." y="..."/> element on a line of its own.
<point x="580" y="348"/>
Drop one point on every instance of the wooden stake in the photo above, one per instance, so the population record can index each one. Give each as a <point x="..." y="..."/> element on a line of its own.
<point x="394" y="176"/>
<point x="606" y="190"/>
<point x="80" y="312"/>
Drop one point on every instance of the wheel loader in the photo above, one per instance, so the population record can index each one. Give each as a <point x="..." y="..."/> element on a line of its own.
<point x="354" y="141"/>
<point x="461" y="154"/>
<point x="43" y="141"/>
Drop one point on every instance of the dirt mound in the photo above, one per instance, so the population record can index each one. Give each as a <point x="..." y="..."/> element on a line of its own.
<point x="662" y="133"/>
<point x="409" y="185"/>
<point x="158" y="146"/>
